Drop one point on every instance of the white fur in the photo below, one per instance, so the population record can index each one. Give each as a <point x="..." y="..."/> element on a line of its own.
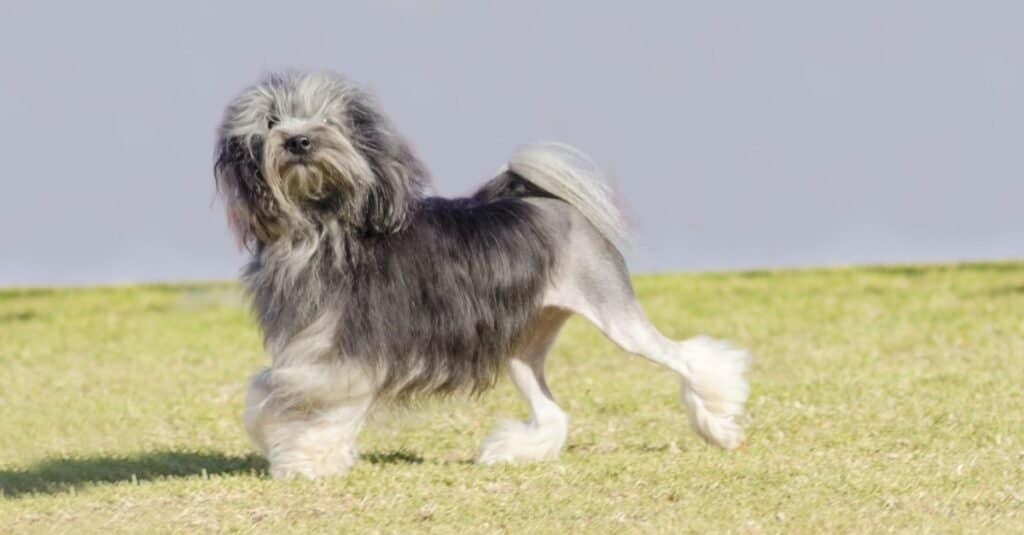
<point x="304" y="416"/>
<point x="569" y="174"/>
<point x="713" y="372"/>
<point x="714" y="389"/>
<point x="303" y="440"/>
<point x="256" y="415"/>
<point x="319" y="444"/>
<point x="514" y="441"/>
<point x="539" y="438"/>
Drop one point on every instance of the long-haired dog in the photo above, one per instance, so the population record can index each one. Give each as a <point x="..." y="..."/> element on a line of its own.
<point x="369" y="291"/>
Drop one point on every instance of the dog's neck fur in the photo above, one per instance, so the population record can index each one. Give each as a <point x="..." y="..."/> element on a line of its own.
<point x="289" y="278"/>
<point x="289" y="273"/>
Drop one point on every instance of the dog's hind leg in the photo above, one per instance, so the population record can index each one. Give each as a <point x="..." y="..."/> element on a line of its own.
<point x="594" y="282"/>
<point x="543" y="435"/>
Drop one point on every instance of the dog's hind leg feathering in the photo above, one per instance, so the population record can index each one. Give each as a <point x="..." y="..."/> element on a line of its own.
<point x="592" y="280"/>
<point x="714" y="387"/>
<point x="543" y="435"/>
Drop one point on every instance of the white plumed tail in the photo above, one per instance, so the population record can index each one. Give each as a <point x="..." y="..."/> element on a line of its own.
<point x="715" y="389"/>
<point x="570" y="175"/>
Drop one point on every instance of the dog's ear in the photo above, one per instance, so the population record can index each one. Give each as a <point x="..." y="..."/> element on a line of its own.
<point x="398" y="176"/>
<point x="250" y="208"/>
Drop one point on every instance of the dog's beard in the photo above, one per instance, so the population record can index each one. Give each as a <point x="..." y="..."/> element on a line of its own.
<point x="332" y="174"/>
<point x="310" y="179"/>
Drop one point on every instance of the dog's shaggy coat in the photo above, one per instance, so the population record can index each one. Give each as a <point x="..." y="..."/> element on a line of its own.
<point x="370" y="291"/>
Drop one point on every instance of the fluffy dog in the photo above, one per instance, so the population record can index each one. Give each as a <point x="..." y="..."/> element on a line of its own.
<point x="369" y="291"/>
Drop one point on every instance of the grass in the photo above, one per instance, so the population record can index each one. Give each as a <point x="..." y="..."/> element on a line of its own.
<point x="883" y="399"/>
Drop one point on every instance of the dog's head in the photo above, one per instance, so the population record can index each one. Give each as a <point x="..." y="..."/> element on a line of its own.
<point x="298" y="150"/>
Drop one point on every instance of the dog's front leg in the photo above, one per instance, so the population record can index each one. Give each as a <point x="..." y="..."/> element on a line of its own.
<point x="299" y="438"/>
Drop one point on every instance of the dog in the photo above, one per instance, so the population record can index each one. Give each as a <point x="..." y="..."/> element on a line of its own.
<point x="368" y="291"/>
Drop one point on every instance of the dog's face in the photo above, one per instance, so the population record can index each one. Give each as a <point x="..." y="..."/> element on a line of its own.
<point x="298" y="150"/>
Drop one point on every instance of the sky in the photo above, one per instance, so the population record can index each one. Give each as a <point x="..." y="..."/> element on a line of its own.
<point x="738" y="135"/>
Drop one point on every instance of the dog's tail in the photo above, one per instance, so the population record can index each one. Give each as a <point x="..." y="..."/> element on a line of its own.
<point x="566" y="173"/>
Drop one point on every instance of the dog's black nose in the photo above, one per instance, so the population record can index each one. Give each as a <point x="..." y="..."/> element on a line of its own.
<point x="298" y="145"/>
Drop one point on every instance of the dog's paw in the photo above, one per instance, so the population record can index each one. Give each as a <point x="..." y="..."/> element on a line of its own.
<point x="307" y="472"/>
<point x="513" y="441"/>
<point x="312" y="465"/>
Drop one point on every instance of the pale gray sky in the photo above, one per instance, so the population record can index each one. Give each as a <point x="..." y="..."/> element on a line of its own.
<point x="740" y="134"/>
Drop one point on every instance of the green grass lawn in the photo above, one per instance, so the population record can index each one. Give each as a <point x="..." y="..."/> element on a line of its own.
<point x="882" y="399"/>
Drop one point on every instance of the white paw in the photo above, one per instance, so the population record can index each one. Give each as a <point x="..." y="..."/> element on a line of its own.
<point x="715" y="389"/>
<point x="514" y="441"/>
<point x="316" y="466"/>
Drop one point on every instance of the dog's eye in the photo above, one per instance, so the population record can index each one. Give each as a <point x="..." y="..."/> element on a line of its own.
<point x="271" y="122"/>
<point x="326" y="121"/>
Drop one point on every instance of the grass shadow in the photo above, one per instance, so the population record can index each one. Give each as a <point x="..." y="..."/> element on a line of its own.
<point x="911" y="271"/>
<point x="58" y="475"/>
<point x="17" y="316"/>
<point x="1002" y="291"/>
<point x="27" y="292"/>
<point x="392" y="457"/>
